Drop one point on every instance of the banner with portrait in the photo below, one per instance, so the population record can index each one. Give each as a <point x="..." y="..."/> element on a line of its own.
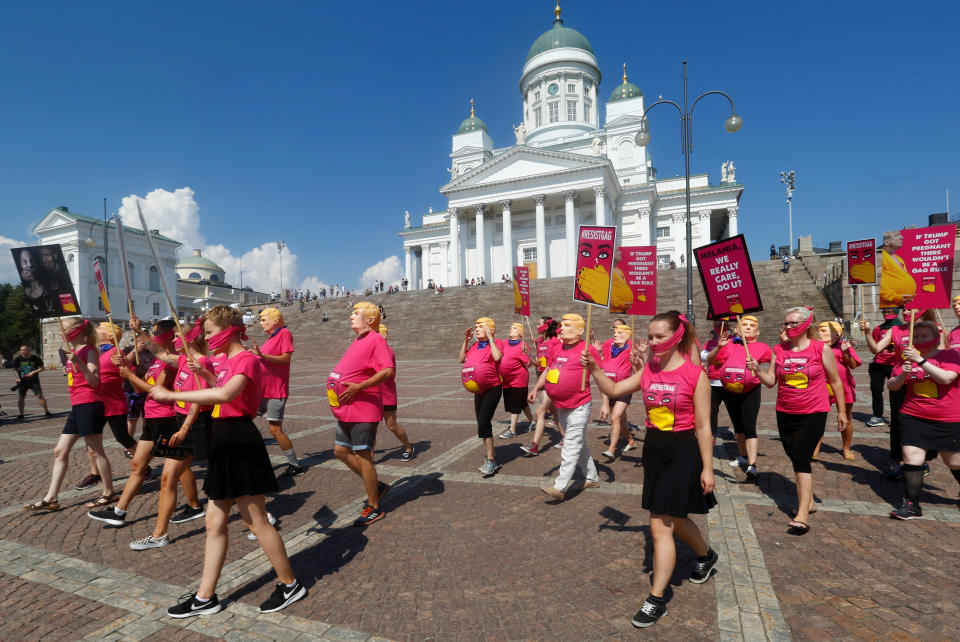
<point x="634" y="289"/>
<point x="728" y="279"/>
<point x="521" y="291"/>
<point x="46" y="280"/>
<point x="595" y="245"/>
<point x="861" y="262"/>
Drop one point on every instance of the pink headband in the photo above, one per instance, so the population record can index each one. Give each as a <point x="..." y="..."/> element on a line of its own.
<point x="190" y="336"/>
<point x="796" y="331"/>
<point x="77" y="331"/>
<point x="164" y="337"/>
<point x="543" y="326"/>
<point x="222" y="338"/>
<point x="665" y="346"/>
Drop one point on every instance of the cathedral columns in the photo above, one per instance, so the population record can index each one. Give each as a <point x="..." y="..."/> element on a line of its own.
<point x="508" y="251"/>
<point x="408" y="271"/>
<point x="570" y="230"/>
<point x="601" y="216"/>
<point x="425" y="264"/>
<point x="455" y="247"/>
<point x="541" y="238"/>
<point x="732" y="221"/>
<point x="645" y="227"/>
<point x="481" y="241"/>
<point x="443" y="277"/>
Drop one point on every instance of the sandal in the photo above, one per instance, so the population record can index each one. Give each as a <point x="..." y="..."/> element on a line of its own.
<point x="43" y="505"/>
<point x="103" y="500"/>
<point x="848" y="455"/>
<point x="809" y="512"/>
<point x="798" y="528"/>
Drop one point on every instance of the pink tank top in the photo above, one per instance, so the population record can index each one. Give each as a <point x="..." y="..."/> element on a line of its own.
<point x="801" y="383"/>
<point x="668" y="396"/>
<point x="80" y="389"/>
<point x="732" y="360"/>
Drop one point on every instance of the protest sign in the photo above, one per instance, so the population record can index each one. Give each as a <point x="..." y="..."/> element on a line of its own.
<point x="521" y="290"/>
<point x="46" y="281"/>
<point x="861" y="261"/>
<point x="927" y="254"/>
<point x="595" y="245"/>
<point x="634" y="289"/>
<point x="727" y="277"/>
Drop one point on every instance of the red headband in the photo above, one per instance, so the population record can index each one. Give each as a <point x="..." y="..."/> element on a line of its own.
<point x="164" y="337"/>
<point x="222" y="338"/>
<point x="796" y="331"/>
<point x="190" y="336"/>
<point x="543" y="326"/>
<point x="77" y="331"/>
<point x="664" y="346"/>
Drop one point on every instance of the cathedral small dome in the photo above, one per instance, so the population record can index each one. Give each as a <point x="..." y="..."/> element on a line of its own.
<point x="471" y="123"/>
<point x="626" y="90"/>
<point x="559" y="37"/>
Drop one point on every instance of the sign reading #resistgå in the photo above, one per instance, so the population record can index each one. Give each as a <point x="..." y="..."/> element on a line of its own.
<point x="727" y="277"/>
<point x="521" y="291"/>
<point x="861" y="261"/>
<point x="595" y="245"/>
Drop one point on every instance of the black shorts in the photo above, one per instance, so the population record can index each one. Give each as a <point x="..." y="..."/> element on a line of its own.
<point x="85" y="419"/>
<point x="929" y="434"/>
<point x="743" y="408"/>
<point x="800" y="435"/>
<point x="515" y="400"/>
<point x="156" y="428"/>
<point x="390" y="407"/>
<point x="135" y="401"/>
<point x="30" y="384"/>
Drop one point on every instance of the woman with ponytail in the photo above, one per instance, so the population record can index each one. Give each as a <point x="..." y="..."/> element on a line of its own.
<point x="86" y="417"/>
<point x="677" y="452"/>
<point x="481" y="376"/>
<point x="547" y="341"/>
<point x="238" y="467"/>
<point x="800" y="368"/>
<point x="515" y="375"/>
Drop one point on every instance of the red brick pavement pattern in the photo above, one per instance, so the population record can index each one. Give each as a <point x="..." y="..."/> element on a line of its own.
<point x="173" y="634"/>
<point x="855" y="577"/>
<point x="32" y="611"/>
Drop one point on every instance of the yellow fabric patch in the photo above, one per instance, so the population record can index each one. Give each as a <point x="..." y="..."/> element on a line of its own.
<point x="69" y="380"/>
<point x="733" y="386"/>
<point x="865" y="272"/>
<point x="472" y="386"/>
<point x="333" y="399"/>
<point x="829" y="390"/>
<point x="216" y="412"/>
<point x="796" y="380"/>
<point x="543" y="362"/>
<point x="736" y="308"/>
<point x="661" y="417"/>
<point x="929" y="287"/>
<point x="926" y="389"/>
<point x="553" y="375"/>
<point x="182" y="404"/>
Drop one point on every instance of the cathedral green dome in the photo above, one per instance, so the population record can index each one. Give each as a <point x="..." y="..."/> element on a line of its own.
<point x="626" y="90"/>
<point x="471" y="124"/>
<point x="558" y="37"/>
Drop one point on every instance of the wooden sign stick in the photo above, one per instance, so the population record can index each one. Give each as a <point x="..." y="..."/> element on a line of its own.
<point x="583" y="379"/>
<point x="746" y="348"/>
<point x="913" y="317"/>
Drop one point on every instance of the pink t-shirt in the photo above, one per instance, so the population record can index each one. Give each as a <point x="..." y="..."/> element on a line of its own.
<point x="899" y="339"/>
<point x="80" y="389"/>
<point x="668" y="395"/>
<point x="366" y="356"/>
<point x="617" y="368"/>
<point x="801" y="381"/>
<point x="479" y="371"/>
<point x="732" y="362"/>
<point x="846" y="375"/>
<point x="927" y="399"/>
<point x="513" y="365"/>
<point x="111" y="385"/>
<point x="388" y="389"/>
<point x="565" y="374"/>
<point x="155" y="409"/>
<point x="247" y="402"/>
<point x="887" y="356"/>
<point x="953" y="339"/>
<point x="714" y="370"/>
<point x="185" y="380"/>
<point x="276" y="376"/>
<point x="543" y="347"/>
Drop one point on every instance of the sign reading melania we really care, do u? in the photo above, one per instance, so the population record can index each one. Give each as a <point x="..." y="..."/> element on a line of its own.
<point x="727" y="277"/>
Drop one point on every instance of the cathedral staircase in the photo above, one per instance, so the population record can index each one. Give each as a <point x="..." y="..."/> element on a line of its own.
<point x="426" y="325"/>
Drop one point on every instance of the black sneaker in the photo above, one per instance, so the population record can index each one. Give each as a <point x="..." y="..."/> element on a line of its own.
<point x="368" y="516"/>
<point x="189" y="606"/>
<point x="88" y="481"/>
<point x="293" y="471"/>
<point x="909" y="510"/>
<point x="107" y="516"/>
<point x="187" y="514"/>
<point x="751" y="472"/>
<point x="283" y="596"/>
<point x="407" y="455"/>
<point x="704" y="567"/>
<point x="649" y="613"/>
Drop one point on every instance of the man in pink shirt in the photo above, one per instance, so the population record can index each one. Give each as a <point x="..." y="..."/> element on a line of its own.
<point x="562" y="380"/>
<point x="353" y="390"/>
<point x="275" y="355"/>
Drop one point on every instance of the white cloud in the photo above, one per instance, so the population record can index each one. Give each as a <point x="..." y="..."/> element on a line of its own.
<point x="175" y="214"/>
<point x="388" y="270"/>
<point x="8" y="269"/>
<point x="313" y="284"/>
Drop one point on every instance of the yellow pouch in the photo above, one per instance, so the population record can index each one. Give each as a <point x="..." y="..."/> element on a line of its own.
<point x="215" y="414"/>
<point x="69" y="380"/>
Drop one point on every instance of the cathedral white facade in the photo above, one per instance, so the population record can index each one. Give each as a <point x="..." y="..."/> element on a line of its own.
<point x="522" y="204"/>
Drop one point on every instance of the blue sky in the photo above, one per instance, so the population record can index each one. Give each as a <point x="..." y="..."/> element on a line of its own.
<point x="320" y="122"/>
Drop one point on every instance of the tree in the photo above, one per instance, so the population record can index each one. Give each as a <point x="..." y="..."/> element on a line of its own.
<point x="20" y="326"/>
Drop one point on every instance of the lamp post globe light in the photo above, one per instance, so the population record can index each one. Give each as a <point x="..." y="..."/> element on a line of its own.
<point x="732" y="124"/>
<point x="789" y="179"/>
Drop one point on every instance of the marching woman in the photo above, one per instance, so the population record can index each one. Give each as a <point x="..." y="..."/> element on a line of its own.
<point x="389" y="393"/>
<point x="830" y="332"/>
<point x="740" y="388"/>
<point x="515" y="374"/>
<point x="708" y="356"/>
<point x="86" y="417"/>
<point x="800" y="368"/>
<point x="616" y="364"/>
<point x="480" y="375"/>
<point x="547" y="329"/>
<point x="238" y="467"/>
<point x="677" y="452"/>
<point x="930" y="416"/>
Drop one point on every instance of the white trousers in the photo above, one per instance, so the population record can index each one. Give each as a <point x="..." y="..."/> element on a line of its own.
<point x="575" y="453"/>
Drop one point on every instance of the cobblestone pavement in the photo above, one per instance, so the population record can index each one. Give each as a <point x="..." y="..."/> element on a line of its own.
<point x="461" y="557"/>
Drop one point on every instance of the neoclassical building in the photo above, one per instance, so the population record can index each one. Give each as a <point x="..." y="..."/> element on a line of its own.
<point x="522" y="204"/>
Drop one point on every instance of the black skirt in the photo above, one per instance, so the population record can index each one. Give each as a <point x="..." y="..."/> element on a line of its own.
<point x="671" y="474"/>
<point x="237" y="460"/>
<point x="198" y="439"/>
<point x="929" y="434"/>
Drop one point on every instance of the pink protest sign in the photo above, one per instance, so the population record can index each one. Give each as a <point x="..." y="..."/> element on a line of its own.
<point x="521" y="291"/>
<point x="862" y="261"/>
<point x="634" y="289"/>
<point x="927" y="253"/>
<point x="595" y="246"/>
<point x="727" y="277"/>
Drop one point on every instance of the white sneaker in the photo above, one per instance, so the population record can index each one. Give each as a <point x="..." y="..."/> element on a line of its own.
<point x="273" y="522"/>
<point x="739" y="461"/>
<point x="150" y="542"/>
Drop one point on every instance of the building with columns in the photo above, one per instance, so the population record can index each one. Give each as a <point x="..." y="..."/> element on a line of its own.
<point x="522" y="204"/>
